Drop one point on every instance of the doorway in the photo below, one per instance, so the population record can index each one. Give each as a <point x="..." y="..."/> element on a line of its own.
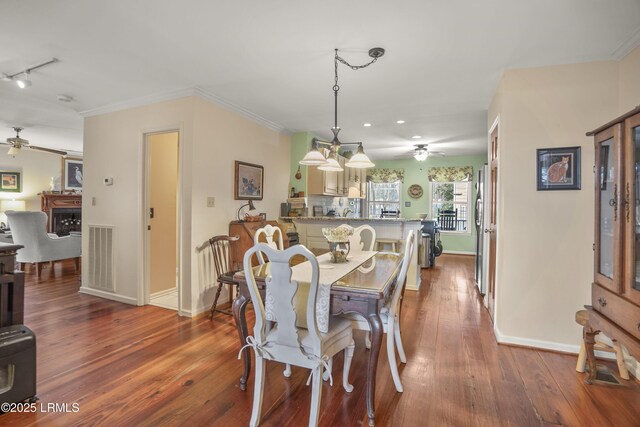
<point x="492" y="229"/>
<point x="161" y="254"/>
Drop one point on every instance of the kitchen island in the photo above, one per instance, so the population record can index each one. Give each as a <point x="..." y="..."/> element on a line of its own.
<point x="310" y="234"/>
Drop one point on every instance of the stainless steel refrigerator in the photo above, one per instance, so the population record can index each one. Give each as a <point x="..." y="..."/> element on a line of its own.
<point x="479" y="213"/>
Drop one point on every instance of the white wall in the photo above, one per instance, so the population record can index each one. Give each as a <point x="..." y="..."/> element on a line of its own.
<point x="630" y="81"/>
<point x="211" y="139"/>
<point x="37" y="169"/>
<point x="545" y="241"/>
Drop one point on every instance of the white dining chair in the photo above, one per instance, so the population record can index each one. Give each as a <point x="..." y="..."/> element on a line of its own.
<point x="276" y="335"/>
<point x="272" y="237"/>
<point x="390" y="316"/>
<point x="362" y="239"/>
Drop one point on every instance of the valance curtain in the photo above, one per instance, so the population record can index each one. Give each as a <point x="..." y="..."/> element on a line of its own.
<point x="385" y="175"/>
<point x="450" y="173"/>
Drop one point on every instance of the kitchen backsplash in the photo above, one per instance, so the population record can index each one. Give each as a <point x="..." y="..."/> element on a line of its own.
<point x="338" y="204"/>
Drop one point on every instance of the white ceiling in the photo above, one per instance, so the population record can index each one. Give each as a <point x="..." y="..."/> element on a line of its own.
<point x="275" y="59"/>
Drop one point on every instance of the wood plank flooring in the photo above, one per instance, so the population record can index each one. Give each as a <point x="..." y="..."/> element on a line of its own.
<point x="131" y="366"/>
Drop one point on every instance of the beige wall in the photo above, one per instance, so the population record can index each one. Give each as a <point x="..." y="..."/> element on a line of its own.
<point x="222" y="137"/>
<point x="211" y="138"/>
<point x="630" y="81"/>
<point x="545" y="237"/>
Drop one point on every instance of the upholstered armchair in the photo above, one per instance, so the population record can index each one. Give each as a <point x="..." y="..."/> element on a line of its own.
<point x="29" y="229"/>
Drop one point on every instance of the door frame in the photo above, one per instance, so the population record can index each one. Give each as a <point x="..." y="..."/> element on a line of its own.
<point x="487" y="223"/>
<point x="144" y="285"/>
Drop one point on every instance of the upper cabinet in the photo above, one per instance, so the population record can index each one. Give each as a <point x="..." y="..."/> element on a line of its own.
<point x="616" y="289"/>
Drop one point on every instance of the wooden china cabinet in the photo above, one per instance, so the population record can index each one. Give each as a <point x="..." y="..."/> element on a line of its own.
<point x="615" y="292"/>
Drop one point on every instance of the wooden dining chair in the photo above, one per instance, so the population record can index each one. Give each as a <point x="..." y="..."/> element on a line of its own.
<point x="362" y="239"/>
<point x="272" y="237"/>
<point x="221" y="249"/>
<point x="277" y="335"/>
<point x="390" y="316"/>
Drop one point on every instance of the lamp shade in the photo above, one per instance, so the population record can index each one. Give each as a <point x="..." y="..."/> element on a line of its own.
<point x="12" y="205"/>
<point x="360" y="160"/>
<point x="421" y="155"/>
<point x="313" y="158"/>
<point x="332" y="165"/>
<point x="13" y="151"/>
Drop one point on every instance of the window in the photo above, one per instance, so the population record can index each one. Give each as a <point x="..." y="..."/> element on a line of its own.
<point x="450" y="205"/>
<point x="383" y="195"/>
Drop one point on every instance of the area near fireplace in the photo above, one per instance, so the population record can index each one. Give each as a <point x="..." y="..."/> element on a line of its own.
<point x="64" y="212"/>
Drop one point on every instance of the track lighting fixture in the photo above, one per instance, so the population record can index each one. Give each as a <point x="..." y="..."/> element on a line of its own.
<point x="23" y="78"/>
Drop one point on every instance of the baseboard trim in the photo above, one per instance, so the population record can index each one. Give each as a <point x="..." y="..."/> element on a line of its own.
<point x="108" y="295"/>
<point x="458" y="253"/>
<point x="163" y="293"/>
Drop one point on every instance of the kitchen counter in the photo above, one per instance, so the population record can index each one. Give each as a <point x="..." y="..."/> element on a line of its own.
<point x="348" y="219"/>
<point x="310" y="234"/>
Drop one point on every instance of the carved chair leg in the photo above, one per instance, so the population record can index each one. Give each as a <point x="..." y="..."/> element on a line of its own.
<point x="215" y="300"/>
<point x="589" y="337"/>
<point x="38" y="269"/>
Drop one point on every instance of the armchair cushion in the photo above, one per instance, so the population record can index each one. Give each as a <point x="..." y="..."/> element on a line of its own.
<point x="29" y="230"/>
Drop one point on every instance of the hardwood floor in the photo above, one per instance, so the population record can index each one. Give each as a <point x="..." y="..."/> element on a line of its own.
<point x="127" y="365"/>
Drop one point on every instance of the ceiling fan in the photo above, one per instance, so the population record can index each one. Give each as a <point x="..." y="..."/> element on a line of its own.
<point x="18" y="143"/>
<point x="421" y="152"/>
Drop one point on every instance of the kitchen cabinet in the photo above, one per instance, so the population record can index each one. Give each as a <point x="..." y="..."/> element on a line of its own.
<point x="615" y="299"/>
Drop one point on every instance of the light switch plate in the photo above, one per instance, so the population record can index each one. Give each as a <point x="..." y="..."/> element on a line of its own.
<point x="211" y="202"/>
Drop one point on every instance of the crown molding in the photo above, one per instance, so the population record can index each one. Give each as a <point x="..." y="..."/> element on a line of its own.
<point x="228" y="105"/>
<point x="138" y="102"/>
<point x="182" y="93"/>
<point x="628" y="45"/>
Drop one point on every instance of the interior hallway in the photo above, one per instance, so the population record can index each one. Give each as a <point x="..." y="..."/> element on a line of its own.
<point x="128" y="365"/>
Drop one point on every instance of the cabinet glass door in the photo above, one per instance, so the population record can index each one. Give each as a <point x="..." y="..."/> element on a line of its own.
<point x="635" y="202"/>
<point x="607" y="208"/>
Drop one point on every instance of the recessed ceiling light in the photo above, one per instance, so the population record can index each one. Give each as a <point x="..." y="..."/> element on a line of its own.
<point x="367" y="125"/>
<point x="400" y="122"/>
<point x="416" y="137"/>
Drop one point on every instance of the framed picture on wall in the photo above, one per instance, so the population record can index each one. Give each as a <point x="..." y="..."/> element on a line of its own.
<point x="71" y="173"/>
<point x="249" y="181"/>
<point x="10" y="182"/>
<point x="558" y="168"/>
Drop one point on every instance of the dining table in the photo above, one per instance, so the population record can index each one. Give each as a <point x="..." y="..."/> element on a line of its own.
<point x="365" y="288"/>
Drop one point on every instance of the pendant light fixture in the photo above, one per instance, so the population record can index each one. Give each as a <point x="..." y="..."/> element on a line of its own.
<point x="421" y="153"/>
<point x="330" y="163"/>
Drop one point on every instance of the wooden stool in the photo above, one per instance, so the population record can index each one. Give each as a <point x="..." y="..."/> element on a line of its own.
<point x="381" y="244"/>
<point x="582" y="317"/>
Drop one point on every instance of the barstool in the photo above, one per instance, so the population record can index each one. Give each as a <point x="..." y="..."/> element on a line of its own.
<point x="381" y="244"/>
<point x="582" y="317"/>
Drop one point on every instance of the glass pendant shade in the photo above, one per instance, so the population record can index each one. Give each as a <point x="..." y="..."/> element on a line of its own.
<point x="360" y="160"/>
<point x="331" y="166"/>
<point x="13" y="151"/>
<point x="313" y="158"/>
<point x="421" y="155"/>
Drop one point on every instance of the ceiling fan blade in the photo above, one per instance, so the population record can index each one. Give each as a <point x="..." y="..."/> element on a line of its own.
<point x="6" y="143"/>
<point x="436" y="154"/>
<point x="48" y="150"/>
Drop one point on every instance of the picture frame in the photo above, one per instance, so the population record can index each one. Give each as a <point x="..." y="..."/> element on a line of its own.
<point x="10" y="182"/>
<point x="72" y="174"/>
<point x="248" y="183"/>
<point x="558" y="168"/>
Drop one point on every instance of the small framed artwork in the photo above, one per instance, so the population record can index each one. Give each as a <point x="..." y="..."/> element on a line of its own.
<point x="71" y="173"/>
<point x="249" y="181"/>
<point x="10" y="182"/>
<point x="558" y="168"/>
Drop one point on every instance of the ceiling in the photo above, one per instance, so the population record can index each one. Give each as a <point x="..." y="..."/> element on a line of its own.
<point x="274" y="59"/>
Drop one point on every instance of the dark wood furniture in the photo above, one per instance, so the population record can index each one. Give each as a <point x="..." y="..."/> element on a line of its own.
<point x="246" y="230"/>
<point x="49" y="203"/>
<point x="615" y="292"/>
<point x="221" y="248"/>
<point x="11" y="287"/>
<point x="364" y="291"/>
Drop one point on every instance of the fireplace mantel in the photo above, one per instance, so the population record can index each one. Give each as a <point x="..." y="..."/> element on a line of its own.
<point x="49" y="202"/>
